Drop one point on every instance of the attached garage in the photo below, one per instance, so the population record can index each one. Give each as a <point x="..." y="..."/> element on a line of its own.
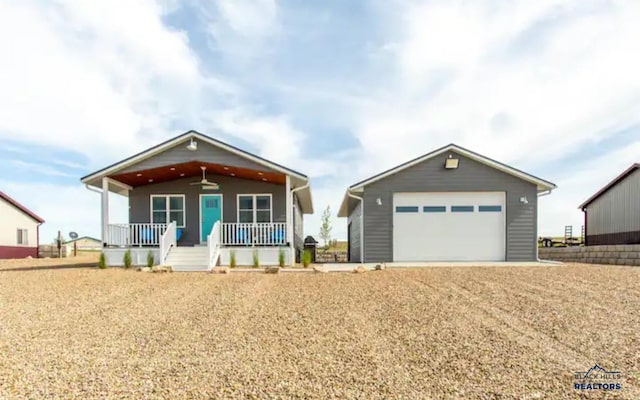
<point x="448" y="205"/>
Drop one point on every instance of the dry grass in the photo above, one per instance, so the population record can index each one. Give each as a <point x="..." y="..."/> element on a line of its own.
<point x="431" y="333"/>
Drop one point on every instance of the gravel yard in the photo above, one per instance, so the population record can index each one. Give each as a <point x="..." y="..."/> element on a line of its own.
<point x="429" y="333"/>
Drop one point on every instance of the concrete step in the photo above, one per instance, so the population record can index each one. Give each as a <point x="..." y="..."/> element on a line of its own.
<point x="189" y="268"/>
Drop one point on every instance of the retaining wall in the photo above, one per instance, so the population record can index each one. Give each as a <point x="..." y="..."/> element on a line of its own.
<point x="619" y="254"/>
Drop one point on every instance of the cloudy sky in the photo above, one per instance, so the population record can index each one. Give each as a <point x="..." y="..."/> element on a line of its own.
<point x="337" y="89"/>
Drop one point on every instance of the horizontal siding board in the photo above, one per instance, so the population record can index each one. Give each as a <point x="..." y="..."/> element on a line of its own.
<point x="205" y="153"/>
<point x="354" y="234"/>
<point x="139" y="211"/>
<point x="470" y="176"/>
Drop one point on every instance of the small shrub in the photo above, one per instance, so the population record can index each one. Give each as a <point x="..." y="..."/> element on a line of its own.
<point x="256" y="259"/>
<point x="150" y="260"/>
<point x="126" y="259"/>
<point x="232" y="259"/>
<point x="102" y="263"/>
<point x="306" y="258"/>
<point x="281" y="258"/>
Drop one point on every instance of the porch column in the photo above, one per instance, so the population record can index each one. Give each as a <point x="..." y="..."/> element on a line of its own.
<point x="289" y="220"/>
<point x="105" y="210"/>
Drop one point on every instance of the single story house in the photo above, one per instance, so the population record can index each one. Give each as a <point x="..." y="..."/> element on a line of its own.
<point x="19" y="229"/>
<point x="195" y="201"/>
<point x="448" y="205"/>
<point x="83" y="243"/>
<point x="612" y="214"/>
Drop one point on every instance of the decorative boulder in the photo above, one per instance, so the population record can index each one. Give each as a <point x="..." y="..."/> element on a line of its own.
<point x="319" y="269"/>
<point x="221" y="270"/>
<point x="144" y="269"/>
<point x="272" y="270"/>
<point x="359" y="269"/>
<point x="161" y="268"/>
<point x="380" y="267"/>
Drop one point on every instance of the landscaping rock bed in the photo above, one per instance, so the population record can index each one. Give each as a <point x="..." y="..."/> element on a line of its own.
<point x="472" y="333"/>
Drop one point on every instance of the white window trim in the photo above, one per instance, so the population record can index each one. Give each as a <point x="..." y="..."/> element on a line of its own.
<point x="25" y="237"/>
<point x="168" y="210"/>
<point x="255" y="207"/>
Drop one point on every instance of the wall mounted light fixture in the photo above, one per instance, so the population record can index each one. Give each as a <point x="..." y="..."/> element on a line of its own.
<point x="451" y="163"/>
<point x="193" y="145"/>
<point x="379" y="201"/>
<point x="524" y="200"/>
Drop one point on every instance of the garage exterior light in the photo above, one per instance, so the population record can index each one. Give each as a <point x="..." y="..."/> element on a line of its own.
<point x="451" y="163"/>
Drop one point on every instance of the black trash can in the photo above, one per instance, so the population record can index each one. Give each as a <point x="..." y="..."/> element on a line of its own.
<point x="311" y="245"/>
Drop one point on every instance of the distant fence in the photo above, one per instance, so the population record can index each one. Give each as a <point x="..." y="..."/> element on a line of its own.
<point x="619" y="254"/>
<point x="331" y="256"/>
<point x="51" y="250"/>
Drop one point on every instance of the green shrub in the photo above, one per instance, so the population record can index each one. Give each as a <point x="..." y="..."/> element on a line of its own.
<point x="150" y="260"/>
<point x="256" y="259"/>
<point x="281" y="258"/>
<point x="306" y="258"/>
<point x="126" y="259"/>
<point x="102" y="263"/>
<point x="232" y="259"/>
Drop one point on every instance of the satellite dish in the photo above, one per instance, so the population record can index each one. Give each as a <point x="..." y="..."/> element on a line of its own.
<point x="73" y="235"/>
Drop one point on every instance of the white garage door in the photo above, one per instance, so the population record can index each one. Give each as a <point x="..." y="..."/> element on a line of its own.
<point x="454" y="226"/>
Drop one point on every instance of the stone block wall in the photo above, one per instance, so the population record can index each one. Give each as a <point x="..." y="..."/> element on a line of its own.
<point x="619" y="254"/>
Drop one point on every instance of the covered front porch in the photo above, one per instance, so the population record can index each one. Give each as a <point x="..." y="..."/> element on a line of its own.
<point x="194" y="195"/>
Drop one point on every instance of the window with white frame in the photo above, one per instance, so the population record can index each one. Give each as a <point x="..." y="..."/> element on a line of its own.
<point x="254" y="208"/>
<point x="167" y="208"/>
<point x="23" y="237"/>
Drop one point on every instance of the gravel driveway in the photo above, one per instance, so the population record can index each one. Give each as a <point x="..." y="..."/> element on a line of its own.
<point x="428" y="333"/>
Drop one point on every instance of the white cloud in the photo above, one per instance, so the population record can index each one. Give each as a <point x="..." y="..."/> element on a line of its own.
<point x="90" y="76"/>
<point x="577" y="184"/>
<point x="523" y="82"/>
<point x="65" y="208"/>
<point x="241" y="28"/>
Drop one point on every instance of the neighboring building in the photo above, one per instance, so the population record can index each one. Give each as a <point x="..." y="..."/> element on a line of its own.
<point x="448" y="205"/>
<point x="612" y="214"/>
<point x="194" y="199"/>
<point x="84" y="243"/>
<point x="19" y="229"/>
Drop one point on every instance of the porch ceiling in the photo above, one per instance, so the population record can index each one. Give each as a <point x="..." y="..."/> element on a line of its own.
<point x="192" y="169"/>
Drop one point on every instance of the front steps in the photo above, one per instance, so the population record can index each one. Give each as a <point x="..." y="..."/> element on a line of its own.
<point x="188" y="259"/>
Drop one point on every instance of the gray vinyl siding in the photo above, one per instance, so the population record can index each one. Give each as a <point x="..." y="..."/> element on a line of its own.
<point x="470" y="176"/>
<point x="298" y="225"/>
<point x="206" y="152"/>
<point x="617" y="210"/>
<point x="354" y="234"/>
<point x="139" y="201"/>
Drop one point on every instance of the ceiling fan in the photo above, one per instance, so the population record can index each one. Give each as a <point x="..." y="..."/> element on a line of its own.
<point x="204" y="182"/>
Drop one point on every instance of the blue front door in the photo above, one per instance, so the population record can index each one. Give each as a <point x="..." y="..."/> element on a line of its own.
<point x="210" y="213"/>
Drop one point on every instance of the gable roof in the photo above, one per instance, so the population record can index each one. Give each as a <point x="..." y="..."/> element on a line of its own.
<point x="541" y="184"/>
<point x="83" y="237"/>
<point x="299" y="181"/>
<point x="150" y="152"/>
<point x="20" y="207"/>
<point x="610" y="185"/>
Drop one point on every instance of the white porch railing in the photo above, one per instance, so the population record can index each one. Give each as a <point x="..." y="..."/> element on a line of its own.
<point x="213" y="244"/>
<point x="167" y="240"/>
<point x="135" y="234"/>
<point x="250" y="234"/>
